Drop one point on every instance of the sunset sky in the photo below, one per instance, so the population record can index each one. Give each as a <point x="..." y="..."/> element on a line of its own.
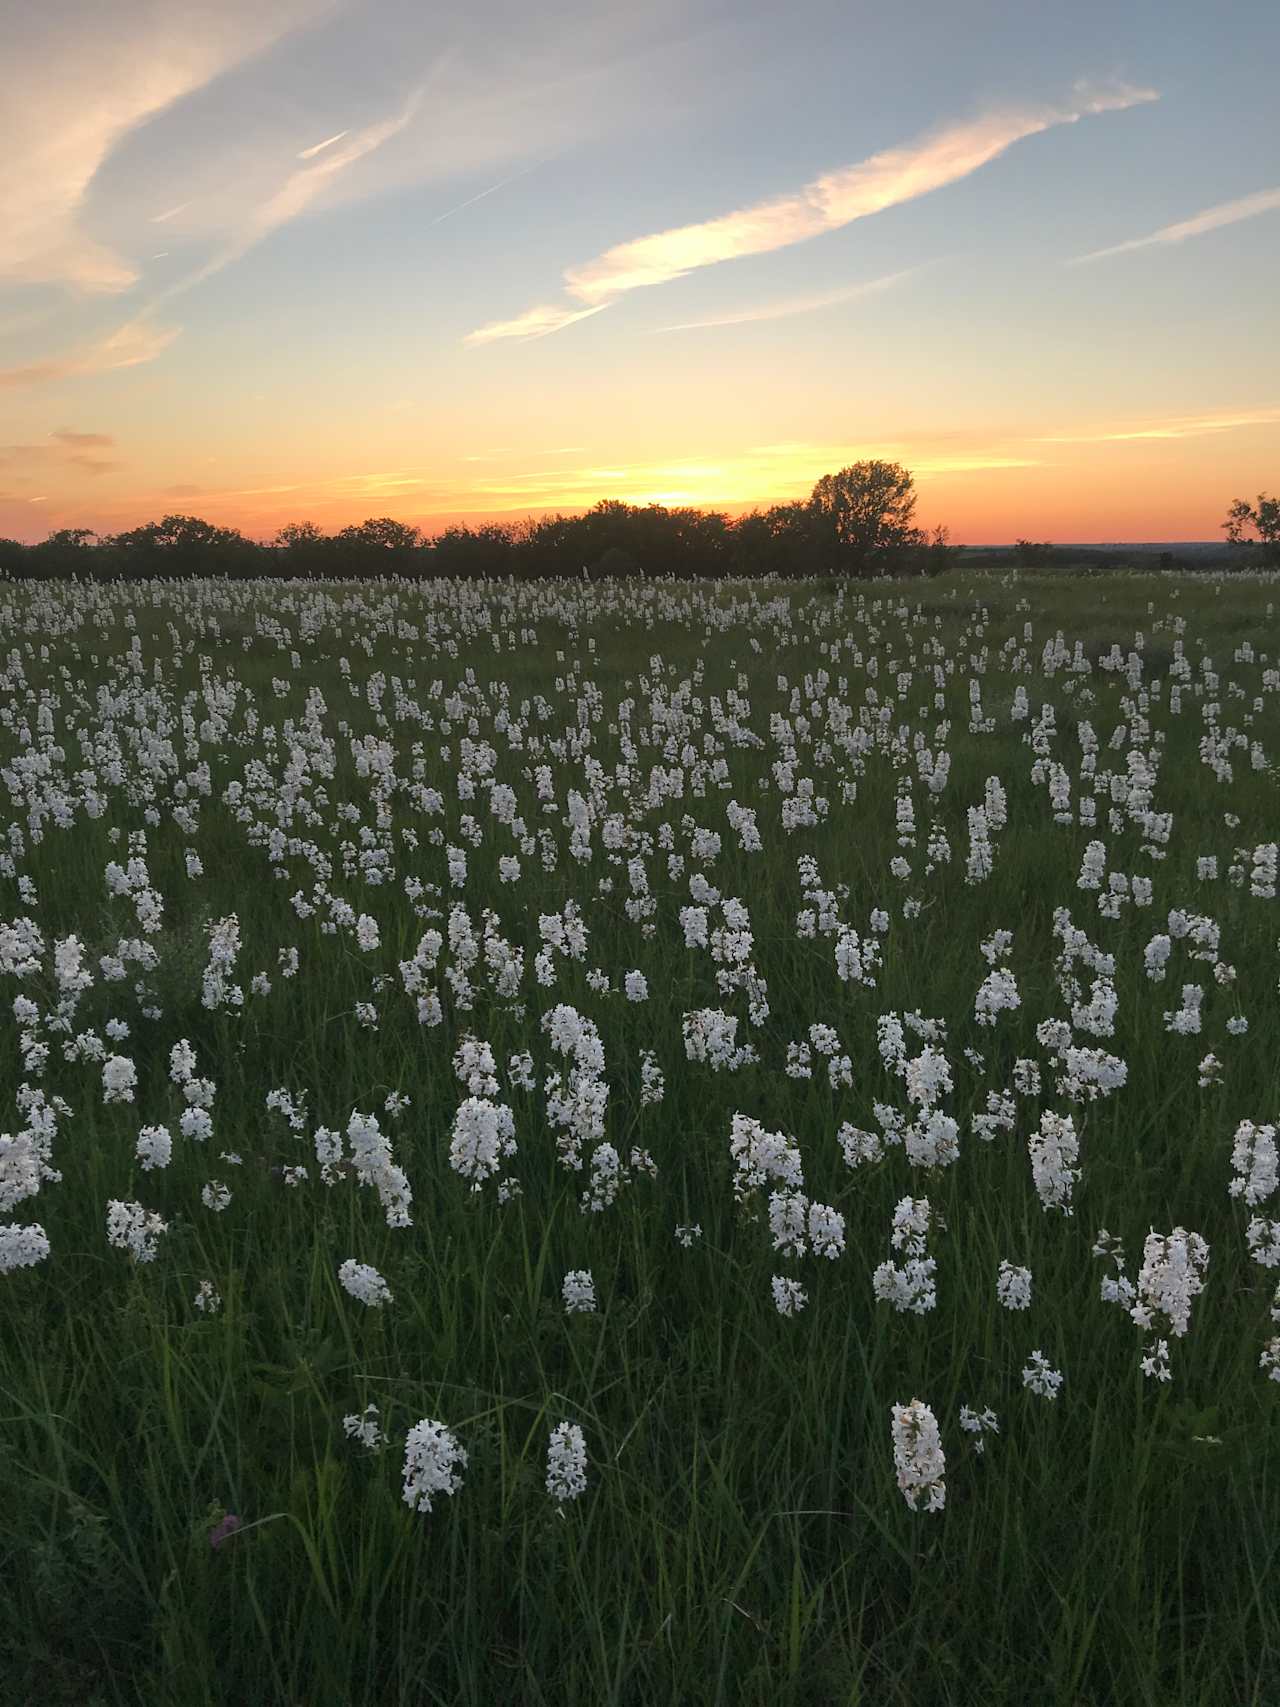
<point x="267" y="260"/>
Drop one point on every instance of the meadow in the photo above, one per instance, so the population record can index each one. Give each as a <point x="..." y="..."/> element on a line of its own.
<point x="640" y="1142"/>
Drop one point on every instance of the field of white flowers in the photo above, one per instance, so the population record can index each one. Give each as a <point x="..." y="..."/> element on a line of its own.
<point x="640" y="1142"/>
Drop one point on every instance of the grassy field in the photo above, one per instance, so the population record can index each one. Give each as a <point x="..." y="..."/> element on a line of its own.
<point x="725" y="789"/>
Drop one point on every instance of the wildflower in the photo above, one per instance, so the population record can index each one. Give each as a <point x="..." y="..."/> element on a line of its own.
<point x="22" y="1247"/>
<point x="365" y="1427"/>
<point x="215" y="1196"/>
<point x="826" y="1230"/>
<point x="1054" y="1148"/>
<point x="119" y="1079"/>
<point x="1263" y="1239"/>
<point x="207" y="1300"/>
<point x="566" y="1462"/>
<point x="652" y="1080"/>
<point x="1256" y="1161"/>
<point x="979" y="1424"/>
<point x="132" y="1228"/>
<point x="364" y="1283"/>
<point x="1040" y="1378"/>
<point x="789" y="1297"/>
<point x="759" y="1156"/>
<point x="154" y="1147"/>
<point x="787" y="1222"/>
<point x="998" y="993"/>
<point x="1013" y="1287"/>
<point x="1172" y="1273"/>
<point x="688" y="1236"/>
<point x="1156" y="1360"/>
<point x="433" y="1464"/>
<point x="918" y="1456"/>
<point x="196" y="1123"/>
<point x="483" y="1134"/>
<point x="579" y="1292"/>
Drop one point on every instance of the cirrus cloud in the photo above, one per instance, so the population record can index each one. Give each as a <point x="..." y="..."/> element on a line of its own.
<point x="827" y="203"/>
<point x="1208" y="219"/>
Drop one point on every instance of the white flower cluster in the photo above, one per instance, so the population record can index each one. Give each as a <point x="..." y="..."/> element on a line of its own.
<point x="433" y="1464"/>
<point x="909" y="1285"/>
<point x="566" y="1463"/>
<point x="579" y="1292"/>
<point x="918" y="1458"/>
<point x="22" y="1247"/>
<point x="364" y="1283"/>
<point x="484" y="1134"/>
<point x="1013" y="1287"/>
<point x="132" y="1228"/>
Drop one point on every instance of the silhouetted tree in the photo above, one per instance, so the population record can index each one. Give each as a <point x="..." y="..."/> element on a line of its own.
<point x="66" y="551"/>
<point x="184" y="545"/>
<point x="1262" y="519"/>
<point x="299" y="536"/>
<point x="866" y="512"/>
<point x="938" y="555"/>
<point x="378" y="546"/>
<point x="546" y="545"/>
<point x="303" y="548"/>
<point x="857" y="521"/>
<point x="17" y="561"/>
<point x="69" y="539"/>
<point x="482" y="553"/>
<point x="382" y="533"/>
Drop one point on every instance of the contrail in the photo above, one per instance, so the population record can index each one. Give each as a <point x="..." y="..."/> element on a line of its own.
<point x="319" y="147"/>
<point x="500" y="185"/>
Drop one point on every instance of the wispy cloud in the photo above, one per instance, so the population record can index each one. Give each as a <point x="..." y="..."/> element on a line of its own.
<point x="827" y="203"/>
<point x="82" y="441"/>
<point x="795" y="304"/>
<point x="141" y="339"/>
<point x="319" y="147"/>
<point x="135" y="342"/>
<point x="1210" y="219"/>
<point x="62" y="450"/>
<point x="297" y="193"/>
<point x="75" y="87"/>
<point x="533" y="323"/>
<point x="1176" y="427"/>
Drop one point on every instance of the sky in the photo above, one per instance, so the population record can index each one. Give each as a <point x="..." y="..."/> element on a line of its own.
<point x="274" y="260"/>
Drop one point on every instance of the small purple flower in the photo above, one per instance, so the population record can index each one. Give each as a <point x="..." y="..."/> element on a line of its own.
<point x="224" y="1531"/>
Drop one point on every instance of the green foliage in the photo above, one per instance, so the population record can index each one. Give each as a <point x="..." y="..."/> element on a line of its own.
<point x="742" y="1541"/>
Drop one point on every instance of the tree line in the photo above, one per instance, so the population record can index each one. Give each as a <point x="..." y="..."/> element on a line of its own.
<point x="859" y="521"/>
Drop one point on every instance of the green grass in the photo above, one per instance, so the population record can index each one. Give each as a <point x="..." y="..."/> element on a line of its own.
<point x="742" y="1538"/>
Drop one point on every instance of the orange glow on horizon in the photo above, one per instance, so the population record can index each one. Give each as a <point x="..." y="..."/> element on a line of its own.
<point x="1169" y="479"/>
